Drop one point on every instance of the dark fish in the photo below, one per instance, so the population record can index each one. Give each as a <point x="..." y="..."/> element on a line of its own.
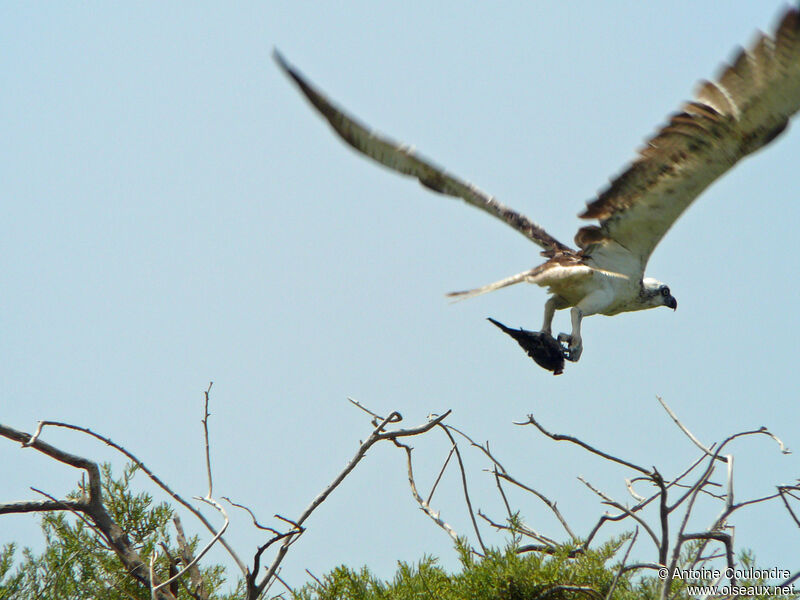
<point x="541" y="347"/>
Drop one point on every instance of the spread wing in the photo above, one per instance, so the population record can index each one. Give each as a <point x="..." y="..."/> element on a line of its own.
<point x="403" y="159"/>
<point x="748" y="105"/>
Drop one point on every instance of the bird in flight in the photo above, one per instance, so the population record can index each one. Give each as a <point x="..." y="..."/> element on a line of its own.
<point x="743" y="109"/>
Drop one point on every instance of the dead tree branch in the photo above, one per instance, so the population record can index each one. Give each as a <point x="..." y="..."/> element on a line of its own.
<point x="157" y="480"/>
<point x="255" y="588"/>
<point x="568" y="438"/>
<point x="92" y="507"/>
<point x="425" y="504"/>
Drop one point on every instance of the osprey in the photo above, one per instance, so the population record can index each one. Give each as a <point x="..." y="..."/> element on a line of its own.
<point x="747" y="106"/>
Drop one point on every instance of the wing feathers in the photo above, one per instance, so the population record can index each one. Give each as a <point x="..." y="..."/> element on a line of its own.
<point x="747" y="107"/>
<point x="710" y="95"/>
<point x="518" y="278"/>
<point x="402" y="159"/>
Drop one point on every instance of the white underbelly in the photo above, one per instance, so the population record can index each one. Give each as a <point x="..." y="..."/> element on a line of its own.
<point x="599" y="294"/>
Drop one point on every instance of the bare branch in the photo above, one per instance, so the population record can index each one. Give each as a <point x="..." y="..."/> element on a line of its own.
<point x="628" y="512"/>
<point x="548" y="549"/>
<point x="663" y="513"/>
<point x="503" y="473"/>
<point x="252" y="516"/>
<point x="520" y="530"/>
<point x="789" y="581"/>
<point x="315" y="578"/>
<point x="283" y="583"/>
<point x="377" y="435"/>
<point x="93" y="507"/>
<point x="684" y="429"/>
<point x="423" y="504"/>
<point x="692" y="496"/>
<point x="637" y="566"/>
<point x="358" y="404"/>
<point x="502" y="493"/>
<point x="675" y="482"/>
<point x="75" y="510"/>
<point x="464" y="486"/>
<point x="187" y="558"/>
<point x="441" y="472"/>
<point x="203" y="552"/>
<point x="290" y="522"/>
<point x="729" y="482"/>
<point x="719" y="536"/>
<point x="40" y="506"/>
<point x="584" y="589"/>
<point x="782" y="490"/>
<point x="482" y="447"/>
<point x="125" y="452"/>
<point x="632" y="492"/>
<point x="205" y="437"/>
<point x="153" y="590"/>
<point x="759" y="431"/>
<point x="550" y="504"/>
<point x="622" y="565"/>
<point x="568" y="438"/>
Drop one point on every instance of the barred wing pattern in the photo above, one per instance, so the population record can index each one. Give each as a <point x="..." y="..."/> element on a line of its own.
<point x="748" y="106"/>
<point x="403" y="159"/>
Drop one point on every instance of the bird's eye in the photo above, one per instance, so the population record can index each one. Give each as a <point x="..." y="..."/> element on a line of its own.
<point x="665" y="291"/>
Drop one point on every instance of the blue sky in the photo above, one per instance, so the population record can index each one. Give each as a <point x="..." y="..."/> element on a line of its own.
<point x="174" y="213"/>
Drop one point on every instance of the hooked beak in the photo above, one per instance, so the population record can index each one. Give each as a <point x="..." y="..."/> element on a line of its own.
<point x="672" y="303"/>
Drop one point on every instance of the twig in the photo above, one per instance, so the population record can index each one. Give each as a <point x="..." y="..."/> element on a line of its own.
<point x="153" y="588"/>
<point x="550" y="504"/>
<point x="568" y="438"/>
<point x="684" y="429"/>
<point x="632" y="492"/>
<point x="358" y="404"/>
<point x="286" y="585"/>
<point x="628" y="512"/>
<point x="315" y="578"/>
<point x="782" y="491"/>
<point x="719" y="536"/>
<point x="205" y="437"/>
<point x="125" y="452"/>
<point x="441" y="472"/>
<point x="584" y="589"/>
<point x="545" y="549"/>
<point x="503" y="473"/>
<point x="423" y="504"/>
<point x="252" y="516"/>
<point x="75" y="511"/>
<point x="637" y="566"/>
<point x="187" y="557"/>
<point x="520" y="529"/>
<point x="93" y="506"/>
<point x="464" y="486"/>
<point x="790" y="580"/>
<point x="208" y="547"/>
<point x="502" y="493"/>
<point x="377" y="435"/>
<point x="622" y="565"/>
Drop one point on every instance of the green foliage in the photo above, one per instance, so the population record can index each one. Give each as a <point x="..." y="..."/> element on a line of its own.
<point x="507" y="575"/>
<point x="499" y="575"/>
<point x="78" y="564"/>
<point x="9" y="582"/>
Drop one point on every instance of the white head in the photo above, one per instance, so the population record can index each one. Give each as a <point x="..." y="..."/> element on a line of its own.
<point x="654" y="293"/>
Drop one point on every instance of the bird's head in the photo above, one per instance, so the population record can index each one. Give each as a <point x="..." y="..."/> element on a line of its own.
<point x="655" y="293"/>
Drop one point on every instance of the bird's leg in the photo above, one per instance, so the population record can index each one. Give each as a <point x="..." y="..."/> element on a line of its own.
<point x="575" y="344"/>
<point x="594" y="303"/>
<point x="549" y="311"/>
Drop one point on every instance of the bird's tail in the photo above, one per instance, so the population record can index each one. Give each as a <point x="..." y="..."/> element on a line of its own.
<point x="518" y="278"/>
